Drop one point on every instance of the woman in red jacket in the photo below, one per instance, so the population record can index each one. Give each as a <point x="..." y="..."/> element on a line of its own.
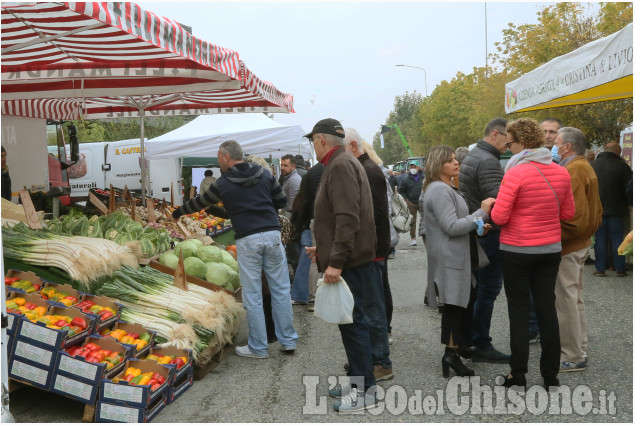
<point x="534" y="196"/>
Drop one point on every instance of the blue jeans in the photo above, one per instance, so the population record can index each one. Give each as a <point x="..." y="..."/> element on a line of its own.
<point x="375" y="310"/>
<point x="533" y="318"/>
<point x="612" y="228"/>
<point x="356" y="335"/>
<point x="490" y="283"/>
<point x="257" y="253"/>
<point x="300" y="287"/>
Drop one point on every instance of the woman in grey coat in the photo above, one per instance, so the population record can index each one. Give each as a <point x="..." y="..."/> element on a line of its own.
<point x="448" y="225"/>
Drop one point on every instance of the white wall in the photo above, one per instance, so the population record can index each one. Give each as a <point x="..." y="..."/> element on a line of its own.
<point x="25" y="142"/>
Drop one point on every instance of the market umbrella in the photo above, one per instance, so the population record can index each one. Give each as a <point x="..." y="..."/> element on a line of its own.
<point x="109" y="60"/>
<point x="598" y="71"/>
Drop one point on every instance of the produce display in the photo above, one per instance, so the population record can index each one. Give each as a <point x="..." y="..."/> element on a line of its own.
<point x="93" y="353"/>
<point x="135" y="376"/>
<point x="89" y="306"/>
<point x="36" y="313"/>
<point x="206" y="262"/>
<point x="84" y="259"/>
<point x="160" y="359"/>
<point x="207" y="221"/>
<point x="52" y="294"/>
<point x="192" y="319"/>
<point x="626" y="247"/>
<point x="122" y="336"/>
<point x="24" y="285"/>
<point x="116" y="227"/>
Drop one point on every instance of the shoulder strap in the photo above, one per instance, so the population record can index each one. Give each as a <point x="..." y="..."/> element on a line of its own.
<point x="543" y="176"/>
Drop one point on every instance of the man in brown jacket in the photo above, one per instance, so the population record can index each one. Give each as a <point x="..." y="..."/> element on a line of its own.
<point x="344" y="227"/>
<point x="576" y="242"/>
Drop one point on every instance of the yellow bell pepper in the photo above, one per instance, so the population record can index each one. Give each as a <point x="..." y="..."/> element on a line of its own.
<point x="164" y="360"/>
<point x="53" y="327"/>
<point x="127" y="339"/>
<point x="66" y="302"/>
<point x="19" y="301"/>
<point x="132" y="371"/>
<point x="144" y="380"/>
<point x="39" y="311"/>
<point x="153" y="357"/>
<point x="140" y="343"/>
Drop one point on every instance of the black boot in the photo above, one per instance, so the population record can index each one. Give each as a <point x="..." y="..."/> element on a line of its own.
<point x="452" y="360"/>
<point x="515" y="381"/>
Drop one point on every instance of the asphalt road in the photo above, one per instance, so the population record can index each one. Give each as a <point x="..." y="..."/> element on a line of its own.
<point x="291" y="388"/>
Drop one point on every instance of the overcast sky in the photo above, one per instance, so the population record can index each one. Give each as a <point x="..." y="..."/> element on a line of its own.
<point x="338" y="59"/>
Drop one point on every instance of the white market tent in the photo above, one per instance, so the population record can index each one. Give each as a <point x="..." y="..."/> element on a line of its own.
<point x="258" y="135"/>
<point x="598" y="71"/>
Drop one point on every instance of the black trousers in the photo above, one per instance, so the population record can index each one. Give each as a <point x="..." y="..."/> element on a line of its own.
<point x="387" y="295"/>
<point x="456" y="322"/>
<point x="535" y="274"/>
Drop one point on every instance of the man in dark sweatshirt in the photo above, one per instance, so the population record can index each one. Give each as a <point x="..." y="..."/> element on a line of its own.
<point x="251" y="196"/>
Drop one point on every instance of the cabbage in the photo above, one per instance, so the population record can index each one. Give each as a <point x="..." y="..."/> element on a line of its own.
<point x="196" y="242"/>
<point x="187" y="248"/>
<point x="111" y="234"/>
<point x="209" y="254"/>
<point x="195" y="267"/>
<point x="235" y="281"/>
<point x="217" y="273"/>
<point x="169" y="259"/>
<point x="229" y="260"/>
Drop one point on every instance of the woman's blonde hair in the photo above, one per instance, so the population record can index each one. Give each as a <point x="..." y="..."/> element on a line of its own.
<point x="368" y="148"/>
<point x="437" y="156"/>
<point x="527" y="132"/>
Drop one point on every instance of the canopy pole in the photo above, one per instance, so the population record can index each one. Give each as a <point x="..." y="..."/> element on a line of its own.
<point x="143" y="159"/>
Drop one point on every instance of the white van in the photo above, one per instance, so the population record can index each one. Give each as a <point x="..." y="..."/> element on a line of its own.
<point x="119" y="163"/>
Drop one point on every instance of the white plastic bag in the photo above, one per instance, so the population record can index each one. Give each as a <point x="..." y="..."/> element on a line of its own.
<point x="334" y="302"/>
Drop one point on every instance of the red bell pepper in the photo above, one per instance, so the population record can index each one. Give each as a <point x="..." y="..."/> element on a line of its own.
<point x="105" y="314"/>
<point x="135" y="336"/>
<point x="128" y="377"/>
<point x="10" y="280"/>
<point x="178" y="362"/>
<point x="61" y="323"/>
<point x="79" y="321"/>
<point x="30" y="306"/>
<point x="154" y="387"/>
<point x="36" y="286"/>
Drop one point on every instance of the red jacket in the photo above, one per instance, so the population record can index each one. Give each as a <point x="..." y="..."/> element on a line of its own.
<point x="527" y="208"/>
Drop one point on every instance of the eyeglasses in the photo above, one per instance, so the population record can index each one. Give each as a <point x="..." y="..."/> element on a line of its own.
<point x="500" y="132"/>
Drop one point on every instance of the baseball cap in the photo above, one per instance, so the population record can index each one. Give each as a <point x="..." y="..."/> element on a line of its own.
<point x="327" y="126"/>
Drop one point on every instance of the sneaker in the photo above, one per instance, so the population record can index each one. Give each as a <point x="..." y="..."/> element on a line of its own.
<point x="572" y="367"/>
<point x="340" y="390"/>
<point x="534" y="338"/>
<point x="389" y="339"/>
<point x="295" y="302"/>
<point x="311" y="307"/>
<point x="620" y="274"/>
<point x="382" y="374"/>
<point x="414" y="242"/>
<point x="490" y="355"/>
<point x="586" y="358"/>
<point x="245" y="351"/>
<point x="355" y="401"/>
<point x="287" y="350"/>
<point x="599" y="273"/>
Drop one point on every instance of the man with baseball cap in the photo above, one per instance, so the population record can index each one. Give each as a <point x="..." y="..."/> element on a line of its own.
<point x="345" y="247"/>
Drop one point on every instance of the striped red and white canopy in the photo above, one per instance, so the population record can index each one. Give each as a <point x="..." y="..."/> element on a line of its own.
<point x="107" y="60"/>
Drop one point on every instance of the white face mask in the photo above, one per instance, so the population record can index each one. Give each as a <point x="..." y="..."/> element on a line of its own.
<point x="413" y="171"/>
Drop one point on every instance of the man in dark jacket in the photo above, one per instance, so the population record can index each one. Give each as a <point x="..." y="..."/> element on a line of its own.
<point x="376" y="317"/>
<point x="251" y="196"/>
<point x="300" y="165"/>
<point x="613" y="176"/>
<point x="345" y="246"/>
<point x="410" y="189"/>
<point x="480" y="178"/>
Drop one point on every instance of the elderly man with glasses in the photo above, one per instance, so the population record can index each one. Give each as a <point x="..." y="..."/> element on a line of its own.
<point x="480" y="178"/>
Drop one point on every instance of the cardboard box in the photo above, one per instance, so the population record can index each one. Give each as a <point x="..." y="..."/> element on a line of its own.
<point x="15" y="318"/>
<point x="38" y="334"/>
<point x="30" y="276"/>
<point x="136" y="329"/>
<point x="175" y="352"/>
<point x="40" y="356"/>
<point x="104" y="302"/>
<point x="68" y="289"/>
<point x="29" y="373"/>
<point x="179" y="386"/>
<point x="114" y="412"/>
<point x="135" y="395"/>
<point x="78" y="379"/>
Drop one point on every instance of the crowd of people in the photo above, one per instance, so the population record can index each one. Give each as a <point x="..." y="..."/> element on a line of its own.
<point x="527" y="228"/>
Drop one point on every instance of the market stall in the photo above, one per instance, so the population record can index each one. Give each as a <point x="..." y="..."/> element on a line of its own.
<point x="598" y="71"/>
